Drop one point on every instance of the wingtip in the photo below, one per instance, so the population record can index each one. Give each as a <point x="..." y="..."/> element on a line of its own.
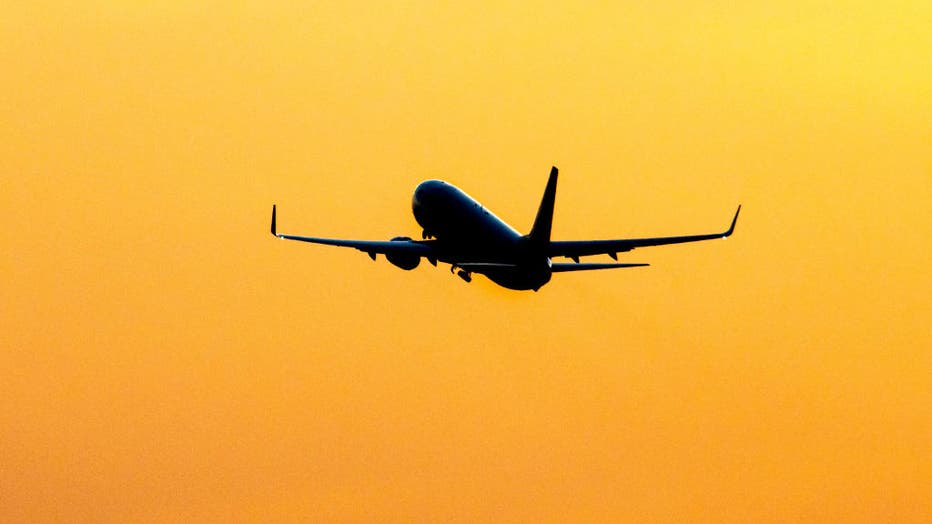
<point x="733" y="222"/>
<point x="274" y="233"/>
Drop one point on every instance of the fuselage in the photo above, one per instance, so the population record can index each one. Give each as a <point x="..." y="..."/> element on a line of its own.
<point x="465" y="230"/>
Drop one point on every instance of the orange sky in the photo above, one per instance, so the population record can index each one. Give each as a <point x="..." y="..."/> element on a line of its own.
<point x="163" y="359"/>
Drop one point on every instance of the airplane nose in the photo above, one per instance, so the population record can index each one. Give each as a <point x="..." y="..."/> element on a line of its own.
<point x="425" y="191"/>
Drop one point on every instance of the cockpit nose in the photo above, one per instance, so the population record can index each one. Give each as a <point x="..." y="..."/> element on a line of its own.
<point x="425" y="191"/>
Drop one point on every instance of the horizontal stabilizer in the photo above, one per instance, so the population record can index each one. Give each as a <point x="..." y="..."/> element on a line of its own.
<point x="561" y="267"/>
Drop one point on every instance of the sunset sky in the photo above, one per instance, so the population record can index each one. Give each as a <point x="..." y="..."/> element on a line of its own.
<point x="164" y="359"/>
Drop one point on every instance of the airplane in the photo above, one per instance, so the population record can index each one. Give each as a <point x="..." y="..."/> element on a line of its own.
<point x="458" y="231"/>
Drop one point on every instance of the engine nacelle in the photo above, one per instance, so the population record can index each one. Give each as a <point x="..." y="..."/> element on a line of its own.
<point x="406" y="262"/>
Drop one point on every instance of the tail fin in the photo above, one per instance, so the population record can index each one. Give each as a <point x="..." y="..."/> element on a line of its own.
<point x="540" y="231"/>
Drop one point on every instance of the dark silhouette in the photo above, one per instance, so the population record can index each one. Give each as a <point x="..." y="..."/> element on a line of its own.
<point x="460" y="232"/>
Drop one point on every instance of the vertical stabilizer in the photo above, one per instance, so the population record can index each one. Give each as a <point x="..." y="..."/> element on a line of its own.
<point x="540" y="231"/>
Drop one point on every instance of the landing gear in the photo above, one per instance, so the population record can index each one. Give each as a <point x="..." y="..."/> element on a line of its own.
<point x="425" y="235"/>
<point x="460" y="272"/>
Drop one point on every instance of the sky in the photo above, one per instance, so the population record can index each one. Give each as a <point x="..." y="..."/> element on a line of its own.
<point x="164" y="359"/>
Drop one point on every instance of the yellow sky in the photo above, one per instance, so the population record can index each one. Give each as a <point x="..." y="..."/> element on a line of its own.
<point x="163" y="359"/>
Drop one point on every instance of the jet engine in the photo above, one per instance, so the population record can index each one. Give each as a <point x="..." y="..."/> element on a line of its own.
<point x="406" y="262"/>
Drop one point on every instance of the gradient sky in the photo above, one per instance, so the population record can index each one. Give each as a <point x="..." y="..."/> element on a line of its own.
<point x="163" y="359"/>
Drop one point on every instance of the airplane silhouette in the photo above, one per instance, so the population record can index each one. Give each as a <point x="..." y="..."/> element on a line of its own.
<point x="460" y="232"/>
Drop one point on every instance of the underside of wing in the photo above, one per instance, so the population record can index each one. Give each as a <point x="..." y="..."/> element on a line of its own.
<point x="399" y="246"/>
<point x="479" y="267"/>
<point x="406" y="247"/>
<point x="579" y="248"/>
<point x="562" y="268"/>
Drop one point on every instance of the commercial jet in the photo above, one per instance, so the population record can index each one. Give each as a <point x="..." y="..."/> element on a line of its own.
<point x="458" y="231"/>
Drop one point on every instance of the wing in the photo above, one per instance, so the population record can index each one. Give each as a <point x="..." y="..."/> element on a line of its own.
<point x="578" y="248"/>
<point x="561" y="268"/>
<point x="371" y="247"/>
